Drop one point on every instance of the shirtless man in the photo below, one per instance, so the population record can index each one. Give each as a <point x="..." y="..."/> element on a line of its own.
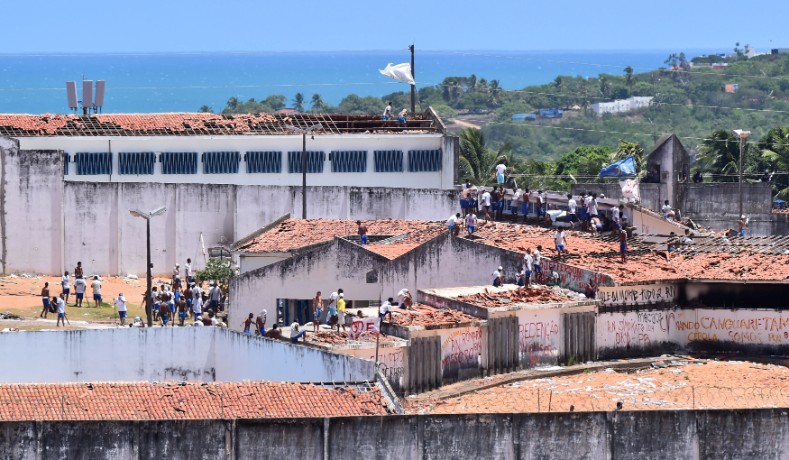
<point x="362" y="231"/>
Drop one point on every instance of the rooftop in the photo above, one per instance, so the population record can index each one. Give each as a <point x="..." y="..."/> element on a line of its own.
<point x="293" y="234"/>
<point x="170" y="401"/>
<point x="505" y="297"/>
<point x="426" y="316"/>
<point x="758" y="258"/>
<point x="206" y="124"/>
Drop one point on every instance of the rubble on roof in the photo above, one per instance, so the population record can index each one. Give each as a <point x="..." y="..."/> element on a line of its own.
<point x="424" y="315"/>
<point x="536" y="294"/>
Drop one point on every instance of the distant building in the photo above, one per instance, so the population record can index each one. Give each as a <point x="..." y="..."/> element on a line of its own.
<point x="622" y="105"/>
<point x="732" y="87"/>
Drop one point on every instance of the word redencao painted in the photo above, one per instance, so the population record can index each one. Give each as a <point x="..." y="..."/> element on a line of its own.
<point x="637" y="295"/>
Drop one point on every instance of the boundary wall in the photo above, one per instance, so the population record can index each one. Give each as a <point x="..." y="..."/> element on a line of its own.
<point x="202" y="354"/>
<point x="680" y="434"/>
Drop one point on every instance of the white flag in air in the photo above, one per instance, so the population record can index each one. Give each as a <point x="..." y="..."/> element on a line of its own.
<point x="400" y="72"/>
<point x="630" y="189"/>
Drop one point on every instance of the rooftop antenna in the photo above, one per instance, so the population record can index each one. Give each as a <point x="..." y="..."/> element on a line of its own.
<point x="89" y="102"/>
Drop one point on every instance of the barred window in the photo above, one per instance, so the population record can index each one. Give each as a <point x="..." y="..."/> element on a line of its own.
<point x="314" y="162"/>
<point x="178" y="162"/>
<point x="221" y="162"/>
<point x="92" y="163"/>
<point x="388" y="160"/>
<point x="348" y="161"/>
<point x="263" y="162"/>
<point x="424" y="160"/>
<point x="136" y="162"/>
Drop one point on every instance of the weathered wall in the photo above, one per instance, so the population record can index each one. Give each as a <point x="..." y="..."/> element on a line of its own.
<point x="202" y="354"/>
<point x="100" y="232"/>
<point x="755" y="433"/>
<point x="652" y="330"/>
<point x="31" y="210"/>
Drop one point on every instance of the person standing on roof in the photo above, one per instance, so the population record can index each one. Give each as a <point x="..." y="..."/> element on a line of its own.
<point x="498" y="277"/>
<point x="623" y="244"/>
<point x="471" y="222"/>
<point x="501" y="172"/>
<point x="528" y="266"/>
<point x="743" y="224"/>
<point x="485" y="200"/>
<point x="537" y="261"/>
<point x="572" y="207"/>
<point x="525" y="198"/>
<point x="387" y="112"/>
<point x="317" y="310"/>
<point x="333" y="303"/>
<point x="341" y="307"/>
<point x="362" y="232"/>
<point x="402" y="116"/>
<point x="560" y="242"/>
<point x="452" y="224"/>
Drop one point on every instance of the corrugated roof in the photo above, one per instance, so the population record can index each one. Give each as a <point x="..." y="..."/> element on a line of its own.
<point x="172" y="401"/>
<point x="193" y="124"/>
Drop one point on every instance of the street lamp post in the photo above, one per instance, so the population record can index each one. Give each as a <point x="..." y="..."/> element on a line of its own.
<point x="149" y="277"/>
<point x="304" y="132"/>
<point x="742" y="135"/>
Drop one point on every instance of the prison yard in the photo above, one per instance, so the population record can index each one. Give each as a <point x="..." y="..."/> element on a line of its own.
<point x="343" y="294"/>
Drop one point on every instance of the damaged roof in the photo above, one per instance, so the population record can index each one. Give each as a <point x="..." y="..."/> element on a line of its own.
<point x="206" y="124"/>
<point x="184" y="401"/>
<point x="400" y="236"/>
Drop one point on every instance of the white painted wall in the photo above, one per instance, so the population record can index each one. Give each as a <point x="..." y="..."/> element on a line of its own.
<point x="191" y="353"/>
<point x="367" y="142"/>
<point x="461" y="347"/>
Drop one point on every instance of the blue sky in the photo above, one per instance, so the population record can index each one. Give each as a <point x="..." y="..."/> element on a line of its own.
<point x="92" y="26"/>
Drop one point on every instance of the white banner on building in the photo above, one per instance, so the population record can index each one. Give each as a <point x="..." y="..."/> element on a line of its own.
<point x="630" y="189"/>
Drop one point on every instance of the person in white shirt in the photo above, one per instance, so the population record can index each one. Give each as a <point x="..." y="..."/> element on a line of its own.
<point x="501" y="170"/>
<point x="61" y="307"/>
<point x="572" y="208"/>
<point x="498" y="277"/>
<point x="197" y="308"/>
<point x="333" y="303"/>
<point x="214" y="296"/>
<point x="471" y="223"/>
<point x="386" y="309"/>
<point x="452" y="224"/>
<point x="485" y="199"/>
<point x="592" y="206"/>
<point x="80" y="285"/>
<point x="528" y="262"/>
<point x="560" y="242"/>
<point x="120" y="305"/>
<point x="404" y="299"/>
<point x="666" y="210"/>
<point x="96" y="287"/>
<point x="387" y="112"/>
<point x="177" y="276"/>
<point x="520" y="278"/>
<point x="188" y="271"/>
<point x="537" y="260"/>
<point x="65" y="283"/>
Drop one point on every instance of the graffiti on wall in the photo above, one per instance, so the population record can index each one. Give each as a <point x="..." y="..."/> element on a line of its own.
<point x="460" y="348"/>
<point x="571" y="277"/>
<point x="539" y="338"/>
<point x="363" y="326"/>
<point x="683" y="327"/>
<point x="637" y="295"/>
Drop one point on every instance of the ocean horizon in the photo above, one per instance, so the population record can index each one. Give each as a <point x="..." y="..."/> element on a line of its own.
<point x="185" y="81"/>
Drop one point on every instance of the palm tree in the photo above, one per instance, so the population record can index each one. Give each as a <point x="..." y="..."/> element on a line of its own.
<point x="558" y="84"/>
<point x="495" y="93"/>
<point x="317" y="103"/>
<point x="298" y="102"/>
<point x="775" y="148"/>
<point x="629" y="77"/>
<point x="605" y="86"/>
<point x="477" y="161"/>
<point x="720" y="155"/>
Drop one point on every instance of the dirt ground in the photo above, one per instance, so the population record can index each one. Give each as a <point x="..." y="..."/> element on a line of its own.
<point x="699" y="384"/>
<point x="21" y="296"/>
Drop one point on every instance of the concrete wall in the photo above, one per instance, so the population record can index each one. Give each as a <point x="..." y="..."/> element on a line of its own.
<point x="652" y="330"/>
<point x="756" y="433"/>
<point x="100" y="232"/>
<point x="443" y="179"/>
<point x="31" y="211"/>
<point x="200" y="354"/>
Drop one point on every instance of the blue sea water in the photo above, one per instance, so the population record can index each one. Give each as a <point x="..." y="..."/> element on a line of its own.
<point x="184" y="82"/>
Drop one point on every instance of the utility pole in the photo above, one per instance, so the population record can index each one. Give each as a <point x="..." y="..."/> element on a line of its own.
<point x="413" y="87"/>
<point x="304" y="132"/>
